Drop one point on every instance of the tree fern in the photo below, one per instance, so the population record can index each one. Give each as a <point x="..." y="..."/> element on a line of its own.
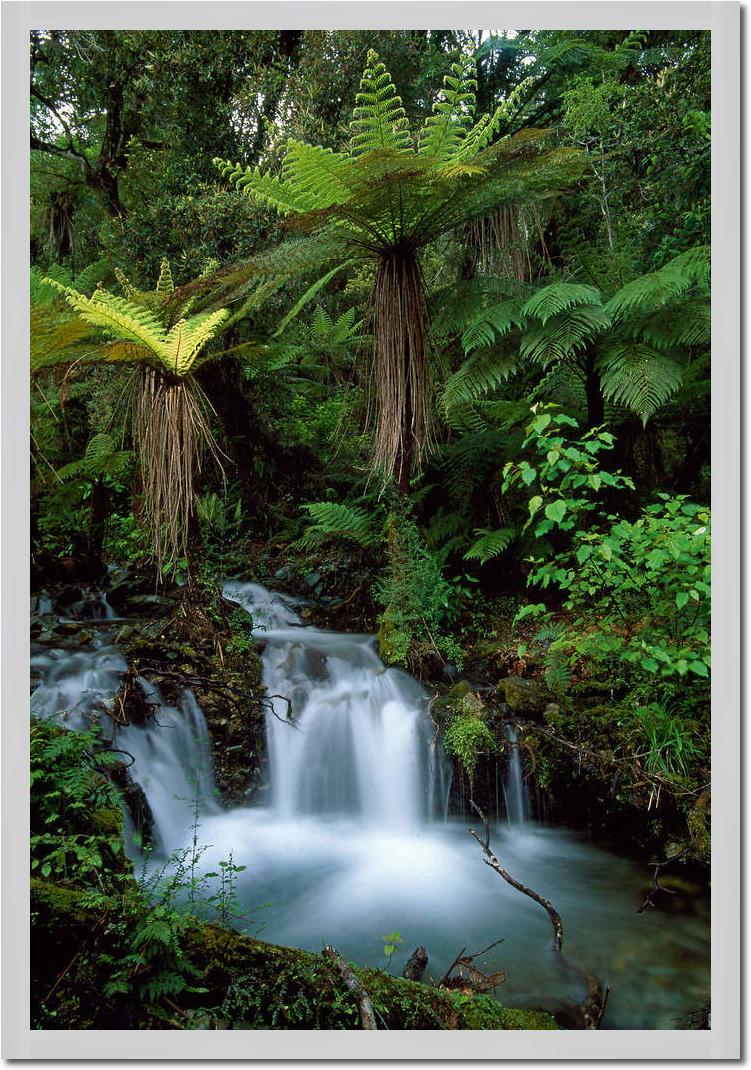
<point x="383" y="200"/>
<point x="102" y="458"/>
<point x="563" y="335"/>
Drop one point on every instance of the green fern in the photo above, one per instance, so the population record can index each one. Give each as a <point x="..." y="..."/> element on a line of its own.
<point x="638" y="377"/>
<point x="102" y="458"/>
<point x="490" y="544"/>
<point x="558" y="297"/>
<point x="563" y="335"/>
<point x="336" y="520"/>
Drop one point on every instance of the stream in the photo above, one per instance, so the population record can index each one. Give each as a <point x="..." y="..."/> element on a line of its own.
<point x="354" y="839"/>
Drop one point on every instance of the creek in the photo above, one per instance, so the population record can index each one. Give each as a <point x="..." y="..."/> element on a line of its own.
<point x="352" y="838"/>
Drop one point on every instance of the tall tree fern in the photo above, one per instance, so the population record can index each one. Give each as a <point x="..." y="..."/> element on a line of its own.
<point x="384" y="199"/>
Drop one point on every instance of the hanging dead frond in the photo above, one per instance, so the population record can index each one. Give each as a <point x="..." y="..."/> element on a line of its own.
<point x="172" y="436"/>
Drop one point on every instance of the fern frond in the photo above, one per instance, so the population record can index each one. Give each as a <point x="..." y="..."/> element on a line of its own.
<point x="482" y="372"/>
<point x="165" y="286"/>
<point x="187" y="338"/>
<point x="637" y="376"/>
<point x="656" y="289"/>
<point x="336" y="520"/>
<point x="559" y="296"/>
<point x="117" y="316"/>
<point x="563" y="335"/>
<point x="270" y="191"/>
<point x="320" y="177"/>
<point x="57" y="337"/>
<point x="492" y="323"/>
<point x="94" y="273"/>
<point x="379" y="120"/>
<point x="444" y="131"/>
<point x="490" y="544"/>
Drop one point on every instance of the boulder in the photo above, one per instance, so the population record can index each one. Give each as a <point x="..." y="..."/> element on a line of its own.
<point x="525" y="698"/>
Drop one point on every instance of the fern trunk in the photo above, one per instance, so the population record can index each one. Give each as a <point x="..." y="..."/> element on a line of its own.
<point x="402" y="392"/>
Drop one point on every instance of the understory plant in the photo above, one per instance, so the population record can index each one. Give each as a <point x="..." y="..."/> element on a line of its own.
<point x="170" y="414"/>
<point x="636" y="593"/>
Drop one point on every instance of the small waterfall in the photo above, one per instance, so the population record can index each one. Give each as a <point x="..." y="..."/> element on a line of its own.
<point x="514" y="788"/>
<point x="346" y="736"/>
<point x="76" y="688"/>
<point x="172" y="764"/>
<point x="92" y="605"/>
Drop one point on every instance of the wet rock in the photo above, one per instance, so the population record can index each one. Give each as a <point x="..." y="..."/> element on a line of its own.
<point x="525" y="698"/>
<point x="315" y="664"/>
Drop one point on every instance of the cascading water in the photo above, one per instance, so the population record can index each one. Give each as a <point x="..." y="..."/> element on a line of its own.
<point x="345" y="735"/>
<point x="514" y="789"/>
<point x="355" y="840"/>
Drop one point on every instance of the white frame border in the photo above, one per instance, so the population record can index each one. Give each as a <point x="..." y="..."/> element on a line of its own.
<point x="722" y="17"/>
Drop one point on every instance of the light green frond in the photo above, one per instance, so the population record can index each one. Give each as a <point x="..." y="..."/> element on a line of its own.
<point x="187" y="338"/>
<point x="488" y="126"/>
<point x="125" y="284"/>
<point x="563" y="335"/>
<point x="318" y="176"/>
<point x="310" y="293"/>
<point x="379" y="120"/>
<point x="165" y="286"/>
<point x="102" y="458"/>
<point x="638" y="377"/>
<point x="270" y="191"/>
<point x="445" y="130"/>
<point x="558" y="297"/>
<point x="118" y="317"/>
<point x="490" y="544"/>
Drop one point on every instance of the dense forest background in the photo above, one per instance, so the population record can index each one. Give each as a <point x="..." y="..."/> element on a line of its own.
<point x="464" y="403"/>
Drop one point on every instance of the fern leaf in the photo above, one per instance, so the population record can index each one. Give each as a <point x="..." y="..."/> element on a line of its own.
<point x="379" y="120"/>
<point x="187" y="338"/>
<point x="563" y="335"/>
<point x="638" y="377"/>
<point x="559" y="296"/>
<point x="492" y="323"/>
<point x="267" y="190"/>
<point x="116" y="316"/>
<point x="444" y="131"/>
<point x="319" y="176"/>
<point x="165" y="286"/>
<point x="338" y="520"/>
<point x="482" y="372"/>
<point x="490" y="544"/>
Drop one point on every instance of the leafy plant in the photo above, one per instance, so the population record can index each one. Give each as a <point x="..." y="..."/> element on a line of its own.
<point x="468" y="737"/>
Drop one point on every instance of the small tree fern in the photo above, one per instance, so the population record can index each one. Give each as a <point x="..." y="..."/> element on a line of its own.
<point x="171" y="426"/>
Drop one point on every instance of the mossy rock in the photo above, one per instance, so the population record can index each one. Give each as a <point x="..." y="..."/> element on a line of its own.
<point x="393" y="643"/>
<point x="525" y="698"/>
<point x="699" y="820"/>
<point x="461" y="699"/>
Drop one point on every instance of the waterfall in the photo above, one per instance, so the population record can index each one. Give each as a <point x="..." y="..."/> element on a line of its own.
<point x="76" y="687"/>
<point x="346" y="736"/>
<point x="514" y="788"/>
<point x="172" y="764"/>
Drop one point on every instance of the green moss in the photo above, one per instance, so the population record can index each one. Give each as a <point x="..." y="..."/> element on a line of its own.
<point x="107" y="821"/>
<point x="699" y="827"/>
<point x="467" y="737"/>
<point x="393" y="642"/>
<point x="242" y="983"/>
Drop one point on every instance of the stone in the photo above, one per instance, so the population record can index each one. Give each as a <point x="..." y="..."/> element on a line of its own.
<point x="526" y="698"/>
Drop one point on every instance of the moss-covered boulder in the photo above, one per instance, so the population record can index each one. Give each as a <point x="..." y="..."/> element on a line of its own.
<point x="525" y="698"/>
<point x="460" y="699"/>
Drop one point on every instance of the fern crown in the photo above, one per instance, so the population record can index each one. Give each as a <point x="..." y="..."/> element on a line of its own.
<point x="138" y="324"/>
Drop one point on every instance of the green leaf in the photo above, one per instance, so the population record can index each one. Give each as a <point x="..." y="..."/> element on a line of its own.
<point x="556" y="510"/>
<point x="681" y="598"/>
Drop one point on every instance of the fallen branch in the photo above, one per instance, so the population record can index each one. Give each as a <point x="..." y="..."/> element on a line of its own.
<point x="347" y="974"/>
<point x="476" y="980"/>
<point x="589" y="1012"/>
<point x="416" y="965"/>
<point x="492" y="861"/>
<point x="657" y="888"/>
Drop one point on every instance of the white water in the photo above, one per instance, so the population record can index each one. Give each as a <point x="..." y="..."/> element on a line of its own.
<point x="354" y="842"/>
<point x="347" y="736"/>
